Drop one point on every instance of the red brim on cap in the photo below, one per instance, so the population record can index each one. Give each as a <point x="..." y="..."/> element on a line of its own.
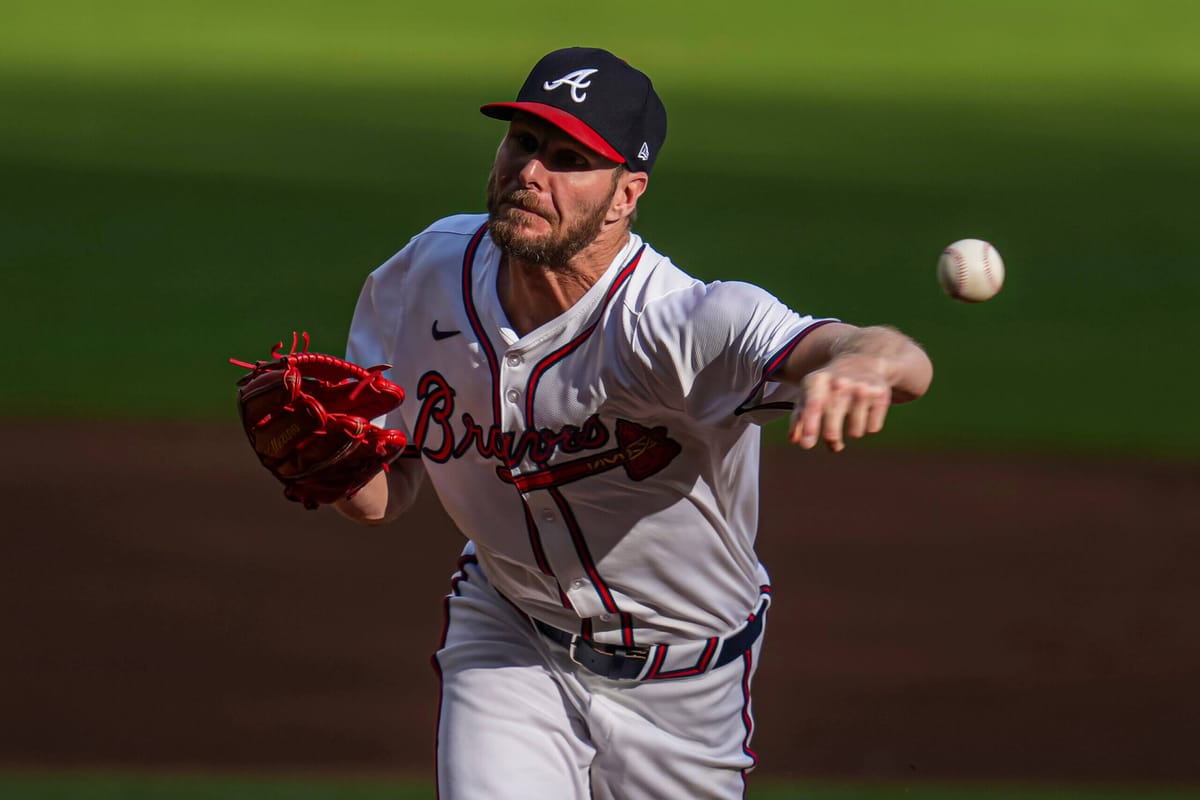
<point x="573" y="126"/>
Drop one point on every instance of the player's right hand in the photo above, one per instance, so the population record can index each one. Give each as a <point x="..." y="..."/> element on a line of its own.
<point x="848" y="397"/>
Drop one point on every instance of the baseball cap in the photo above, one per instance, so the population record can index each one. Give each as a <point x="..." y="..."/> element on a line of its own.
<point x="596" y="98"/>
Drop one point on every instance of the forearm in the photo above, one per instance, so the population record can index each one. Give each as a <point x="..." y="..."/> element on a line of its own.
<point x="385" y="497"/>
<point x="896" y="358"/>
<point x="369" y="505"/>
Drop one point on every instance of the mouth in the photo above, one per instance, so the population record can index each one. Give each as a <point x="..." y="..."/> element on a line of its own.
<point x="525" y="202"/>
<point x="525" y="210"/>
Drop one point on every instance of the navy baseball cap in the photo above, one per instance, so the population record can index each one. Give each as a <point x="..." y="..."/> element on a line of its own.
<point x="599" y="100"/>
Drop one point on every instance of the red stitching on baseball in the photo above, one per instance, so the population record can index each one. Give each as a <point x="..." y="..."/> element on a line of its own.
<point x="987" y="267"/>
<point x="960" y="278"/>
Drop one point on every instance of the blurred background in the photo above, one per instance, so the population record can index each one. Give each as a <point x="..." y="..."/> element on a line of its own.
<point x="999" y="592"/>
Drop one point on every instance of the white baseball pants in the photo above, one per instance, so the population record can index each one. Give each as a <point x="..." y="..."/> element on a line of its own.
<point x="518" y="720"/>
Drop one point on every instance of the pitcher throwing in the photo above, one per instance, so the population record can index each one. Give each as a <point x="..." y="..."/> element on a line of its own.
<point x="588" y="414"/>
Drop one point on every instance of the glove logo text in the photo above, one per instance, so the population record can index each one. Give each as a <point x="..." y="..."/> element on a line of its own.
<point x="279" y="442"/>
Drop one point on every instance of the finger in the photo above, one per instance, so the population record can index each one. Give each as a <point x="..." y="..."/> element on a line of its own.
<point x="835" y="415"/>
<point x="879" y="410"/>
<point x="870" y="403"/>
<point x="816" y="393"/>
<point x="856" y="419"/>
<point x="794" y="423"/>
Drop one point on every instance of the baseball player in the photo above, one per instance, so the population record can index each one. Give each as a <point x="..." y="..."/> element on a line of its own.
<point x="589" y="414"/>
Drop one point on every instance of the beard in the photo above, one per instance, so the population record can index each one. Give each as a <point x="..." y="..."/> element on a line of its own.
<point x="554" y="249"/>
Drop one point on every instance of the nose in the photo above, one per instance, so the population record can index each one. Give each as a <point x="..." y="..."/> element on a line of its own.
<point x="532" y="172"/>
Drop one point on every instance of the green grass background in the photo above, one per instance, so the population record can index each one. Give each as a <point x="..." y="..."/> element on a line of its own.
<point x="184" y="181"/>
<point x="187" y="181"/>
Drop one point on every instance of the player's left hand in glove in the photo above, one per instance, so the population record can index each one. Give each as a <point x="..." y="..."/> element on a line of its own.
<point x="308" y="417"/>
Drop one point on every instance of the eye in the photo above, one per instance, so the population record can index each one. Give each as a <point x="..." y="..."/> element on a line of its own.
<point x="526" y="141"/>
<point x="568" y="159"/>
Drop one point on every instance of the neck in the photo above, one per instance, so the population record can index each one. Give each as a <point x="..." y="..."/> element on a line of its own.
<point x="532" y="294"/>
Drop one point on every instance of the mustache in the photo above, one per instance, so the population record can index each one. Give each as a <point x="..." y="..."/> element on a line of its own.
<point x="526" y="200"/>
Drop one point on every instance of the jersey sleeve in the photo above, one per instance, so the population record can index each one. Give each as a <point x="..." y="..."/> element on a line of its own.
<point x="710" y="349"/>
<point x="372" y="328"/>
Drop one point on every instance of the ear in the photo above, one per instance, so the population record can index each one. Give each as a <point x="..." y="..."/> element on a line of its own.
<point x="630" y="186"/>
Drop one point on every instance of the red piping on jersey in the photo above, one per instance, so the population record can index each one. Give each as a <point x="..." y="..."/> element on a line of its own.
<point x="773" y="364"/>
<point x="627" y="628"/>
<point x="558" y="355"/>
<point x="489" y="352"/>
<point x="577" y="538"/>
<point x="460" y="576"/>
<point x="659" y="655"/>
<point x="747" y="717"/>
<point x="585" y="557"/>
<point x="481" y="336"/>
<point x="710" y="650"/>
<point x="535" y="543"/>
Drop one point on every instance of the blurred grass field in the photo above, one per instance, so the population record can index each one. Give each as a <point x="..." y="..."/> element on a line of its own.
<point x="199" y="787"/>
<point x="188" y="181"/>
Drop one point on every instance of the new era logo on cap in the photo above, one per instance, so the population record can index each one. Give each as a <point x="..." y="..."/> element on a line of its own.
<point x="598" y="99"/>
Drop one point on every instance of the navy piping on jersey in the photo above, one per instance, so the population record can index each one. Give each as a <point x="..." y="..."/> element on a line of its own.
<point x="481" y="336"/>
<point x="558" y="355"/>
<point x="577" y="538"/>
<point x="773" y="364"/>
<point x="485" y="343"/>
<point x="459" y="577"/>
<point x="535" y="542"/>
<point x="747" y="716"/>
<point x="700" y="666"/>
<point x="709" y="652"/>
<point x="589" y="565"/>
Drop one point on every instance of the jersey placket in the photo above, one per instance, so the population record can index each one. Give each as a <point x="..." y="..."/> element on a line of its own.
<point x="547" y="513"/>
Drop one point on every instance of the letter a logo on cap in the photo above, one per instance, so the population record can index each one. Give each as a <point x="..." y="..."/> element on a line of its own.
<point x="576" y="80"/>
<point x="644" y="153"/>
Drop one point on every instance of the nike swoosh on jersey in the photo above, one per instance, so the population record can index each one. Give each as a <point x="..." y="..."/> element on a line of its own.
<point x="439" y="335"/>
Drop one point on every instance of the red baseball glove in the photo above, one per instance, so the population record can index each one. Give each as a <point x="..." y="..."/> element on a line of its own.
<point x="308" y="417"/>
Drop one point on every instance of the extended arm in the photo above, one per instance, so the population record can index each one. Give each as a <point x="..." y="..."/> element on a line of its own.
<point x="386" y="496"/>
<point x="851" y="376"/>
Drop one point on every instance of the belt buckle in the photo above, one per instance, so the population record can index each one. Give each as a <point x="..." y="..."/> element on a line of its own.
<point x="611" y="651"/>
<point x="573" y="648"/>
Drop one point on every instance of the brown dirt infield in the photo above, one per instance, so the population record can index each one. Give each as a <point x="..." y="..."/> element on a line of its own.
<point x="935" y="616"/>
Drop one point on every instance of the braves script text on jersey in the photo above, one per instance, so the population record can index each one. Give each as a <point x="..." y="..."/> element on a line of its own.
<point x="604" y="466"/>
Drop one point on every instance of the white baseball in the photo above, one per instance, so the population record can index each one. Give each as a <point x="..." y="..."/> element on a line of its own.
<point x="971" y="270"/>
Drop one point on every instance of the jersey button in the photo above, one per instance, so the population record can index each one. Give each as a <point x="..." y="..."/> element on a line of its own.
<point x="606" y="617"/>
<point x="578" y="583"/>
<point x="547" y="515"/>
<point x="514" y="361"/>
<point x="513" y="395"/>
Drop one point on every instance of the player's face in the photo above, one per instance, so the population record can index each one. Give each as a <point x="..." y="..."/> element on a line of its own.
<point x="548" y="196"/>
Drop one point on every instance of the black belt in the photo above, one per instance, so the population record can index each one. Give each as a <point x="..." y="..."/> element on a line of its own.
<point x="626" y="663"/>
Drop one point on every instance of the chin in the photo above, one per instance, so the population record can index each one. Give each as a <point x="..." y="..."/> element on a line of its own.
<point x="523" y="243"/>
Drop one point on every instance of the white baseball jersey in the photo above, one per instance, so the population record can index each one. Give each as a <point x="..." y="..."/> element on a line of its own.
<point x="605" y="465"/>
